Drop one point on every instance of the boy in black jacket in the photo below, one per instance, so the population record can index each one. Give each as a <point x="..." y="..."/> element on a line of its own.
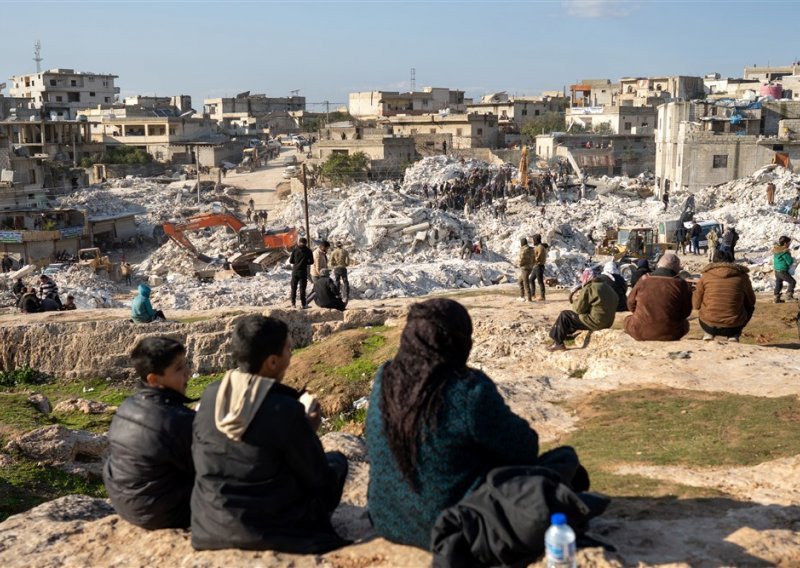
<point x="263" y="480"/>
<point x="149" y="473"/>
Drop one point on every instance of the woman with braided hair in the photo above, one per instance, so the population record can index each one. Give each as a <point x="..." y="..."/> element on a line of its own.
<point x="436" y="427"/>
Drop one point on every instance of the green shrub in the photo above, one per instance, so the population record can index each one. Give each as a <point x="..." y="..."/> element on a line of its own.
<point x="23" y="376"/>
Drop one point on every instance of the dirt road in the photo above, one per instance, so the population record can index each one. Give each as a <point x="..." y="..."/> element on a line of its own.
<point x="261" y="184"/>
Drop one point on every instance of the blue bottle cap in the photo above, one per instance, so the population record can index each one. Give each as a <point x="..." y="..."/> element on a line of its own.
<point x="558" y="519"/>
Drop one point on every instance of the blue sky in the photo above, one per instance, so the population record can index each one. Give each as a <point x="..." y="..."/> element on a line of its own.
<point x="327" y="49"/>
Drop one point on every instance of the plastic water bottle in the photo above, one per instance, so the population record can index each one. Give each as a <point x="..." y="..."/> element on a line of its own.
<point x="559" y="543"/>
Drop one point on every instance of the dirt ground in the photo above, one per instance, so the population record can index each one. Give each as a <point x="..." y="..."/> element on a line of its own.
<point x="682" y="513"/>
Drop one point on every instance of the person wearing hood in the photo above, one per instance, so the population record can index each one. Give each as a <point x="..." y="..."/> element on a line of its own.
<point x="613" y="278"/>
<point x="142" y="310"/>
<point x="781" y="262"/>
<point x="642" y="268"/>
<point x="660" y="303"/>
<point x="263" y="481"/>
<point x="725" y="298"/>
<point x="594" y="309"/>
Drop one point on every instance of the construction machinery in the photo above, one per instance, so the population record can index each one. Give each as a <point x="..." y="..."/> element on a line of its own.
<point x="257" y="250"/>
<point x="94" y="259"/>
<point x="629" y="243"/>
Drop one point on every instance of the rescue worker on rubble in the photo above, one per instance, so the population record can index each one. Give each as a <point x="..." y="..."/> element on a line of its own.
<point x="320" y="260"/>
<point x="340" y="259"/>
<point x="526" y="264"/>
<point x="537" y="273"/>
<point x="300" y="259"/>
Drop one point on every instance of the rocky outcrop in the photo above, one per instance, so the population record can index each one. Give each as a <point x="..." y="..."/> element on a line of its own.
<point x="40" y="403"/>
<point x="84" y="406"/>
<point x="79" y="349"/>
<point x="74" y="451"/>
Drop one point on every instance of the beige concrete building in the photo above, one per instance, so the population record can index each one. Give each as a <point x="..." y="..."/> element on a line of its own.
<point x="389" y="155"/>
<point x="719" y="87"/>
<point x="769" y="74"/>
<point x="378" y="104"/>
<point x="39" y="235"/>
<point x="467" y="130"/>
<point x="705" y="143"/>
<point x="598" y="155"/>
<point x="619" y="119"/>
<point x="593" y="93"/>
<point x="60" y="93"/>
<point x="257" y="114"/>
<point x="160" y="133"/>
<point x="517" y="111"/>
<point x="653" y="91"/>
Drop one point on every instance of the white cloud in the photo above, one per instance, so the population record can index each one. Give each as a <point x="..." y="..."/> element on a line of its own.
<point x="598" y="8"/>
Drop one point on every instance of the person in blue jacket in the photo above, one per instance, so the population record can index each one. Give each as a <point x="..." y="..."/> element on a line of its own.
<point x="142" y="310"/>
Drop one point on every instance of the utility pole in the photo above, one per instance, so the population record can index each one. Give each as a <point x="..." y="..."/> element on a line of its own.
<point x="327" y="113"/>
<point x="305" y="202"/>
<point x="197" y="166"/>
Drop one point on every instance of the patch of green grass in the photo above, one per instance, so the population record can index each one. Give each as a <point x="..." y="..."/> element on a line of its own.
<point x="578" y="373"/>
<point x="24" y="484"/>
<point x="345" y="420"/>
<point x="197" y="385"/>
<point x="91" y="389"/>
<point x="682" y="428"/>
<point x="98" y="423"/>
<point x="17" y="415"/>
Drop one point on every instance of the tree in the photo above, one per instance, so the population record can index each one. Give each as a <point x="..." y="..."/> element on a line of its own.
<point x="543" y="124"/>
<point x="342" y="169"/>
<point x="603" y="128"/>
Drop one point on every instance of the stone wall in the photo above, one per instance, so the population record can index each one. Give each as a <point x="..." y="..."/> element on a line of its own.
<point x="91" y="349"/>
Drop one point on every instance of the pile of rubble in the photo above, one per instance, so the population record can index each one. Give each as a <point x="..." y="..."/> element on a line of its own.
<point x="403" y="245"/>
<point x="153" y="201"/>
<point x="90" y="290"/>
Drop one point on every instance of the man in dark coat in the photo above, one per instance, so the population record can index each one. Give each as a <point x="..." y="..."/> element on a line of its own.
<point x="263" y="480"/>
<point x="300" y="259"/>
<point x="614" y="279"/>
<point x="326" y="294"/>
<point x="642" y="268"/>
<point x="660" y="303"/>
<point x="149" y="473"/>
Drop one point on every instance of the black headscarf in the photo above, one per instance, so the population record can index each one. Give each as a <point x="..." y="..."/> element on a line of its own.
<point x="434" y="348"/>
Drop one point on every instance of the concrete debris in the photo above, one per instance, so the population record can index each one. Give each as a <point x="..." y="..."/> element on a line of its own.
<point x="75" y="451"/>
<point x="84" y="406"/>
<point x="89" y="289"/>
<point x="403" y="245"/>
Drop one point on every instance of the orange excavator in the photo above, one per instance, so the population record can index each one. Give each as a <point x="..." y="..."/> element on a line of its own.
<point x="269" y="247"/>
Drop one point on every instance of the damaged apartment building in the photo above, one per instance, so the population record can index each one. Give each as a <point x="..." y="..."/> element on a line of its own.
<point x="703" y="143"/>
<point x="256" y="114"/>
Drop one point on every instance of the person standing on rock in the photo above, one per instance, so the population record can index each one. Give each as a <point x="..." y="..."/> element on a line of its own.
<point x="537" y="272"/>
<point x="594" y="309"/>
<point x="300" y="259"/>
<point x="263" y="480"/>
<point x="781" y="262"/>
<point x="149" y="473"/>
<point x="340" y="259"/>
<point x="770" y="193"/>
<point x="320" y="259"/>
<point x="526" y="264"/>
<point x="713" y="244"/>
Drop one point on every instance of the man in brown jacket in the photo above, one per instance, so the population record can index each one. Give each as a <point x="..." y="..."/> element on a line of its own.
<point x="525" y="266"/>
<point x="660" y="303"/>
<point x="726" y="300"/>
<point x="539" y="260"/>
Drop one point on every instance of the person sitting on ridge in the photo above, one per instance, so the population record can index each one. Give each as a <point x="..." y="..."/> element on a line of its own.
<point x="142" y="310"/>
<point x="725" y="298"/>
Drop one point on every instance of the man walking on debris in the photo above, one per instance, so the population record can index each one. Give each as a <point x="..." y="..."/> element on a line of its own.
<point x="594" y="309"/>
<point x="781" y="261"/>
<point x="526" y="263"/>
<point x="340" y="259"/>
<point x="7" y="263"/>
<point x="300" y="259"/>
<point x="665" y="199"/>
<point x="770" y="193"/>
<point x="539" y="260"/>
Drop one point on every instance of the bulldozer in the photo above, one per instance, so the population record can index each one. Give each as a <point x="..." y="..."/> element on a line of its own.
<point x="629" y="243"/>
<point x="257" y="250"/>
<point x="94" y="259"/>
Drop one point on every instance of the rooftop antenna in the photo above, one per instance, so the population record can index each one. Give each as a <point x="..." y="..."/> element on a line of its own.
<point x="295" y="92"/>
<point x="37" y="55"/>
<point x="413" y="79"/>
